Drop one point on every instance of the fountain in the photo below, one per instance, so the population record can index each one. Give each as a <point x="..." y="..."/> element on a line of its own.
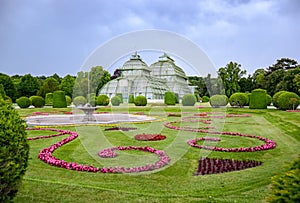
<point x="88" y="111"/>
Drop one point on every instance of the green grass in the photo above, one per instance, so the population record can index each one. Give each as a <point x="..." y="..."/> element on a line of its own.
<point x="174" y="183"/>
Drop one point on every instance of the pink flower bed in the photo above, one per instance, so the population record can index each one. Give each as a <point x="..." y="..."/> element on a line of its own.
<point x="213" y="165"/>
<point x="200" y="129"/>
<point x="61" y="132"/>
<point x="120" y="128"/>
<point x="149" y="137"/>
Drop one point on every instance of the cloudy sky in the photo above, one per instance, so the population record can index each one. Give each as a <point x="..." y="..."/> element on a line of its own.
<point x="43" y="37"/>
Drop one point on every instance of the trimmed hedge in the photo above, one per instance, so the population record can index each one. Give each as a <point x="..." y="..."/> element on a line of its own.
<point x="68" y="100"/>
<point x="218" y="100"/>
<point x="23" y="102"/>
<point x="37" y="101"/>
<point x="288" y="101"/>
<point x="59" y="99"/>
<point x="205" y="99"/>
<point x="79" y="101"/>
<point x="269" y="99"/>
<point x="116" y="101"/>
<point x="140" y="101"/>
<point x="275" y="97"/>
<point x="131" y="99"/>
<point x="169" y="98"/>
<point x="188" y="100"/>
<point x="102" y="100"/>
<point x="14" y="151"/>
<point x="238" y="99"/>
<point x="49" y="99"/>
<point x="258" y="99"/>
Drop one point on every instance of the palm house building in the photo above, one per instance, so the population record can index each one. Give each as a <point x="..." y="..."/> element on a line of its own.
<point x="137" y="78"/>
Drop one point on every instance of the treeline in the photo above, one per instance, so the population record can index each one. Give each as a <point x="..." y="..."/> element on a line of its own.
<point x="284" y="75"/>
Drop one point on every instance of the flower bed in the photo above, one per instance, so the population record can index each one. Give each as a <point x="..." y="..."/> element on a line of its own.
<point x="61" y="132"/>
<point x="120" y="128"/>
<point x="200" y="129"/>
<point x="149" y="137"/>
<point x="213" y="165"/>
<point x="174" y="114"/>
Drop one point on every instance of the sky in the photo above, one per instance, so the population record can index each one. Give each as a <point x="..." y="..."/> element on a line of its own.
<point x="43" y="37"/>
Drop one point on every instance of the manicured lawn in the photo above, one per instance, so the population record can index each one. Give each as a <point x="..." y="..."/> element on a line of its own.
<point x="173" y="183"/>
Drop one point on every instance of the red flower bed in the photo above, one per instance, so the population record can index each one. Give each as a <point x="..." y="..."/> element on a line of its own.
<point x="61" y="132"/>
<point x="174" y="114"/>
<point x="120" y="128"/>
<point x="213" y="166"/>
<point x="149" y="137"/>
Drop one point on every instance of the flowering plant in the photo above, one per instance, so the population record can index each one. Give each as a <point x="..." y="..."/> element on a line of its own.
<point x="149" y="137"/>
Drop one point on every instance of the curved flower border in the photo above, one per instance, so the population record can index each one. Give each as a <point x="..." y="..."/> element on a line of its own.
<point x="61" y="132"/>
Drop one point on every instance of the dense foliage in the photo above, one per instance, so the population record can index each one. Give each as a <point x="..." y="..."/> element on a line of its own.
<point x="14" y="151"/>
<point x="169" y="98"/>
<point x="102" y="100"/>
<point x="258" y="99"/>
<point x="140" y="100"/>
<point x="49" y="99"/>
<point x="37" y="101"/>
<point x="59" y="99"/>
<point x="116" y="101"/>
<point x="23" y="102"/>
<point x="131" y="99"/>
<point x="238" y="99"/>
<point x="288" y="101"/>
<point x="188" y="100"/>
<point x="269" y="99"/>
<point x="121" y="97"/>
<point x="205" y="99"/>
<point x="218" y="100"/>
<point x="276" y="96"/>
<point x="79" y="101"/>
<point x="68" y="100"/>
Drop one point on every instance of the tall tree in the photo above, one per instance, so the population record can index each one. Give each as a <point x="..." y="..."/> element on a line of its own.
<point x="259" y="77"/>
<point x="105" y="78"/>
<point x="283" y="64"/>
<point x="230" y="75"/>
<point x="67" y="85"/>
<point x="95" y="75"/>
<point x="28" y="85"/>
<point x="296" y="80"/>
<point x="50" y="85"/>
<point x="246" y="84"/>
<point x="8" y="86"/>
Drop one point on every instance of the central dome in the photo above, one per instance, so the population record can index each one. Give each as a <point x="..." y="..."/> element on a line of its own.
<point x="135" y="63"/>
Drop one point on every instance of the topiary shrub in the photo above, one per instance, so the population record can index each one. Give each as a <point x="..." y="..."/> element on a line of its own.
<point x="288" y="101"/>
<point x="14" y="151"/>
<point x="131" y="99"/>
<point x="23" y="102"/>
<point x="68" y="100"/>
<point x="116" y="101"/>
<point x="169" y="98"/>
<point x="177" y="98"/>
<point x="102" y="100"/>
<point x="285" y="187"/>
<point x="218" y="100"/>
<point x="92" y="99"/>
<point x="258" y="99"/>
<point x="59" y="99"/>
<point x="205" y="99"/>
<point x="49" y="99"/>
<point x="37" y="101"/>
<point x="79" y="101"/>
<point x="238" y="99"/>
<point x="140" y="101"/>
<point x="121" y="96"/>
<point x="188" y="100"/>
<point x="275" y="97"/>
<point x="269" y="99"/>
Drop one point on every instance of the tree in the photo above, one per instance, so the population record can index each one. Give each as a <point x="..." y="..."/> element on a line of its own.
<point x="105" y="78"/>
<point x="67" y="85"/>
<point x="94" y="77"/>
<point x="50" y="85"/>
<point x="282" y="64"/>
<point x="201" y="89"/>
<point x="230" y="75"/>
<point x="117" y="73"/>
<point x="296" y="80"/>
<point x="28" y="86"/>
<point x="246" y="84"/>
<point x="259" y="77"/>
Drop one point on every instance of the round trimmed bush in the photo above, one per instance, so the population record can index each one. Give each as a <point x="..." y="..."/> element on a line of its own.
<point x="170" y="98"/>
<point x="79" y="101"/>
<point x="131" y="99"/>
<point x="116" y="101"/>
<point x="59" y="99"/>
<point x="102" y="100"/>
<point x="188" y="100"/>
<point x="121" y="96"/>
<point x="68" y="100"/>
<point x="218" y="100"/>
<point x="37" y="101"/>
<point x="14" y="151"/>
<point x="140" y="101"/>
<point x="275" y="97"/>
<point x="238" y="99"/>
<point x="49" y="99"/>
<point x="258" y="99"/>
<point x="269" y="99"/>
<point x="288" y="101"/>
<point x="23" y="102"/>
<point x="205" y="99"/>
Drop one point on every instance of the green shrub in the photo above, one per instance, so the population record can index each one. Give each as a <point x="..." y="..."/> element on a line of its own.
<point x="238" y="99"/>
<point x="205" y="99"/>
<point x="131" y="99"/>
<point x="2" y="92"/>
<point x="14" y="151"/>
<point x="79" y="101"/>
<point x="288" y="101"/>
<point x="275" y="97"/>
<point x="68" y="100"/>
<point x="7" y="100"/>
<point x="177" y="98"/>
<point x="269" y="99"/>
<point x="188" y="100"/>
<point x="116" y="101"/>
<point x="140" y="101"/>
<point x="23" y="102"/>
<point x="285" y="187"/>
<point x="218" y="100"/>
<point x="121" y="97"/>
<point x="59" y="99"/>
<point x="258" y="99"/>
<point x="170" y="98"/>
<point x="102" y="100"/>
<point x="49" y="99"/>
<point x="37" y="101"/>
